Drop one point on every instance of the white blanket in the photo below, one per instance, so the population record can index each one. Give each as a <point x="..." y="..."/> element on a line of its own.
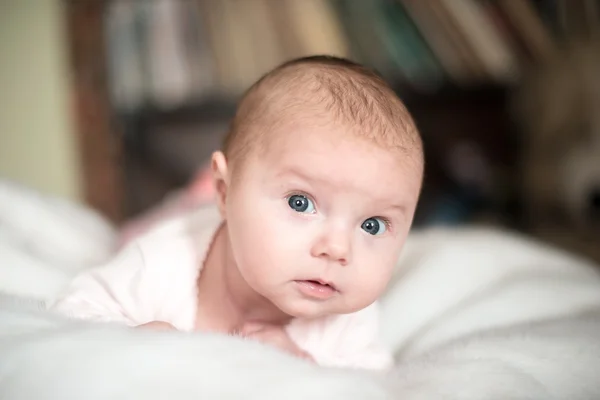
<point x="472" y="314"/>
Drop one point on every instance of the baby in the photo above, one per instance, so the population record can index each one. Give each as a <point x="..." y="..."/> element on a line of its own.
<point x="317" y="185"/>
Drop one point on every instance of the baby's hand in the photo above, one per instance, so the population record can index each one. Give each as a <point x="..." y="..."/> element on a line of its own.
<point x="158" y="326"/>
<point x="276" y="336"/>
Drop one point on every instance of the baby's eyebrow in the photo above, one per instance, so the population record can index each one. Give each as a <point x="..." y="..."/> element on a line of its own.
<point x="398" y="207"/>
<point x="294" y="172"/>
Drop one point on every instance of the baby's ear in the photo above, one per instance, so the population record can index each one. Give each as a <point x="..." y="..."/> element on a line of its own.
<point x="220" y="177"/>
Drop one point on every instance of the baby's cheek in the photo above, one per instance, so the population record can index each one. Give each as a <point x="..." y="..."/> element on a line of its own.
<point x="262" y="250"/>
<point x="286" y="235"/>
<point x="372" y="287"/>
<point x="371" y="280"/>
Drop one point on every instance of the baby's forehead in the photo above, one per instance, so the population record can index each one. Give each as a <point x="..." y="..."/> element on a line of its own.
<point x="322" y="143"/>
<point x="300" y="124"/>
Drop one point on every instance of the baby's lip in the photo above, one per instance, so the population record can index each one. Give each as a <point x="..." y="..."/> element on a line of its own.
<point x="321" y="282"/>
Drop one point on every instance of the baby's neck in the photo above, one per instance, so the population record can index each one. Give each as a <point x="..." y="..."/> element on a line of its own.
<point x="226" y="303"/>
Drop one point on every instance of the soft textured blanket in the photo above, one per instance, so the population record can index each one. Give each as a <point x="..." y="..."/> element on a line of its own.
<point x="472" y="314"/>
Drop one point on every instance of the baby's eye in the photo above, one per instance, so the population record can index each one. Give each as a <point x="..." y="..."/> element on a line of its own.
<point x="374" y="226"/>
<point x="300" y="203"/>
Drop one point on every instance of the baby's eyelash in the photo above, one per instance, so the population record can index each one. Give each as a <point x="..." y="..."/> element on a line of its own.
<point x="299" y="193"/>
<point x="387" y="222"/>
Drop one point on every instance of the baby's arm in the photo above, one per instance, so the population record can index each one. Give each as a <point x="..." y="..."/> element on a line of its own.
<point x="350" y="340"/>
<point x="108" y="293"/>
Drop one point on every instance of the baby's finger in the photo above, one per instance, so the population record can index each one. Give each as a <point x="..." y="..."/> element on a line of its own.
<point x="157" y="325"/>
<point x="305" y="355"/>
<point x="251" y="328"/>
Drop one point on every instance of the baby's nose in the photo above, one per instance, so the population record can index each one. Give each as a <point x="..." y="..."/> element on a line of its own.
<point x="334" y="246"/>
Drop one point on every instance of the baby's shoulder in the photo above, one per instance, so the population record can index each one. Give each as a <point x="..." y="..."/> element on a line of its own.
<point x="182" y="239"/>
<point x="166" y="253"/>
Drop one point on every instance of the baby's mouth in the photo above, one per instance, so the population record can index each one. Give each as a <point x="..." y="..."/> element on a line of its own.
<point x="321" y="283"/>
<point x="317" y="288"/>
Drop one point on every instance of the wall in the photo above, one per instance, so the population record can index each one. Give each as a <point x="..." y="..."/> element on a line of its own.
<point x="37" y="142"/>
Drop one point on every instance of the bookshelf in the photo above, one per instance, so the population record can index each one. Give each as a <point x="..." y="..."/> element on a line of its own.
<point x="153" y="80"/>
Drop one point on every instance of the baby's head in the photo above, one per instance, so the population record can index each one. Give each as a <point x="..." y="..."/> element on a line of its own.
<point x="318" y="181"/>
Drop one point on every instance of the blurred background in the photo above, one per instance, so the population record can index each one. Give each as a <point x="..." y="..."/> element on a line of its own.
<point x="118" y="104"/>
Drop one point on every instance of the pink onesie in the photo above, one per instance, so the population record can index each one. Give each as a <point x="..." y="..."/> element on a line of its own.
<point x="153" y="278"/>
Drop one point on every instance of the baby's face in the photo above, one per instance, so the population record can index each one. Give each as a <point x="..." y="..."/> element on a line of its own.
<point x="317" y="224"/>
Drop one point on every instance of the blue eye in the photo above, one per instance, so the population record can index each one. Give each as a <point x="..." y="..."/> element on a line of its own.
<point x="301" y="204"/>
<point x="374" y="226"/>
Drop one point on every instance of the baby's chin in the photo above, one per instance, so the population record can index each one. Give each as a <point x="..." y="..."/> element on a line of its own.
<point x="308" y="309"/>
